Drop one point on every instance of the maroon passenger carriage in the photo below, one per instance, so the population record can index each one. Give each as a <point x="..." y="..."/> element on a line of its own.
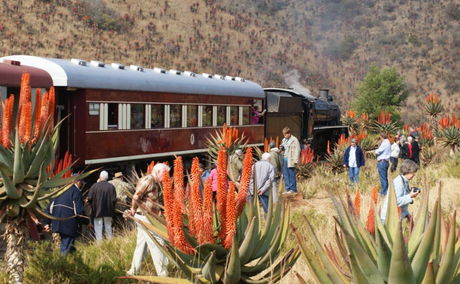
<point x="125" y="114"/>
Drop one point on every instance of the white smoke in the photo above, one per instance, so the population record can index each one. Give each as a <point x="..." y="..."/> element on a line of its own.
<point x="292" y="80"/>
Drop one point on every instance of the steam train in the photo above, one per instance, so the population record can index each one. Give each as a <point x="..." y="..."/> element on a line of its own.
<point x="121" y="114"/>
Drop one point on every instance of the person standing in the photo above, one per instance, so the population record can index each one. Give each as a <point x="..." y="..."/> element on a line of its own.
<point x="122" y="189"/>
<point x="395" y="151"/>
<point x="102" y="197"/>
<point x="383" y="157"/>
<point x="353" y="159"/>
<point x="68" y="206"/>
<point x="263" y="175"/>
<point x="415" y="150"/>
<point x="404" y="195"/>
<point x="146" y="199"/>
<point x="291" y="153"/>
<point x="277" y="162"/>
<point x="235" y="166"/>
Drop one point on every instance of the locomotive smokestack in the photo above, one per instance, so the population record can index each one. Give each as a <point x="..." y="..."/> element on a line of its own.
<point x="324" y="94"/>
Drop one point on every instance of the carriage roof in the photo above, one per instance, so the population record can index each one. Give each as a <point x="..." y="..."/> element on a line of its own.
<point x="11" y="76"/>
<point x="96" y="75"/>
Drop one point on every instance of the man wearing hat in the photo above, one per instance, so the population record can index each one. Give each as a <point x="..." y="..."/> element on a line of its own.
<point x="235" y="165"/>
<point x="122" y="189"/>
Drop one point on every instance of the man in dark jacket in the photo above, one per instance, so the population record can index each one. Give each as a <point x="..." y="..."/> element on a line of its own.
<point x="69" y="205"/>
<point x="353" y="159"/>
<point x="102" y="197"/>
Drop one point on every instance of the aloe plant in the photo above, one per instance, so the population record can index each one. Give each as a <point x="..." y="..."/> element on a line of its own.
<point x="228" y="138"/>
<point x="27" y="157"/>
<point x="430" y="253"/>
<point x="224" y="241"/>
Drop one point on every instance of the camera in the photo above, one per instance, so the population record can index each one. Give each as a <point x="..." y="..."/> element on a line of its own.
<point x="415" y="189"/>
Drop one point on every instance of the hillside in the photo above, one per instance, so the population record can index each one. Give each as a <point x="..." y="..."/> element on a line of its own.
<point x="330" y="42"/>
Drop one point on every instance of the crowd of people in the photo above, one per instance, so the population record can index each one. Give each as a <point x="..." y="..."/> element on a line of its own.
<point x="105" y="197"/>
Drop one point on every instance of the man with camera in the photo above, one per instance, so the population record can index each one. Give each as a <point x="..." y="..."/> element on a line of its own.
<point x="404" y="193"/>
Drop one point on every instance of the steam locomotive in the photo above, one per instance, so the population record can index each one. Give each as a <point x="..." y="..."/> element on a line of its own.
<point x="121" y="114"/>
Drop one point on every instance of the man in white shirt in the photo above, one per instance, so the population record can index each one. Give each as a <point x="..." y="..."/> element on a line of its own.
<point x="394" y="155"/>
<point x="383" y="157"/>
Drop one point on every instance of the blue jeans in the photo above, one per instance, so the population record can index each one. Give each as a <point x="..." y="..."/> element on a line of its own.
<point x="66" y="243"/>
<point x="382" y="167"/>
<point x="353" y="173"/>
<point x="264" y="200"/>
<point x="289" y="177"/>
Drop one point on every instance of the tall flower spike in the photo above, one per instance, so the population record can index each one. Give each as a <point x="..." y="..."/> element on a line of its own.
<point x="357" y="203"/>
<point x="194" y="212"/>
<point x="7" y="121"/>
<point x="37" y="112"/>
<point x="25" y="123"/>
<point x="207" y="220"/>
<point x="169" y="205"/>
<point x="245" y="180"/>
<point x="44" y="110"/>
<point x="179" y="182"/>
<point x="375" y="193"/>
<point x="51" y="106"/>
<point x="222" y="187"/>
<point x="230" y="217"/>
<point x="370" y="224"/>
<point x="25" y="92"/>
<point x="179" y="236"/>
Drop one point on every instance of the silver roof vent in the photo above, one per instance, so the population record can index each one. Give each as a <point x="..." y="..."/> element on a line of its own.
<point x="219" y="76"/>
<point x="78" y="62"/>
<point x="206" y="75"/>
<point x="159" y="70"/>
<point x="136" y="68"/>
<point x="97" y="63"/>
<point x="239" y="79"/>
<point x="230" y="78"/>
<point x="189" y="73"/>
<point x="176" y="72"/>
<point x="118" y="66"/>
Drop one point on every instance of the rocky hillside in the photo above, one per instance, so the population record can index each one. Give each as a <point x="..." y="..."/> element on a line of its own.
<point x="331" y="43"/>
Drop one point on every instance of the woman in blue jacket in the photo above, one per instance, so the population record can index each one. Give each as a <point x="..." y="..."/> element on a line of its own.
<point x="353" y="159"/>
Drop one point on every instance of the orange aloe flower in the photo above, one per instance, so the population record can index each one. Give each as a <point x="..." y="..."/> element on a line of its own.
<point x="364" y="116"/>
<point x="444" y="122"/>
<point x="44" y="110"/>
<point x="169" y="205"/>
<point x="265" y="145"/>
<point x="357" y="203"/>
<point x="179" y="236"/>
<point x="25" y="122"/>
<point x="432" y="98"/>
<point x="230" y="217"/>
<point x="7" y="121"/>
<point x="375" y="194"/>
<point x="328" y="148"/>
<point x="25" y="91"/>
<point x="179" y="182"/>
<point x="245" y="180"/>
<point x="222" y="186"/>
<point x="51" y="106"/>
<point x="277" y="141"/>
<point x="384" y="117"/>
<point x="207" y="232"/>
<point x="370" y="224"/>
<point x="350" y="114"/>
<point x="194" y="213"/>
<point x="37" y="111"/>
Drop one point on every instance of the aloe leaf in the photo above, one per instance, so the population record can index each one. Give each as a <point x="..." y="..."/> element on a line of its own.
<point x="158" y="279"/>
<point x="11" y="191"/>
<point x="249" y="242"/>
<point x="400" y="268"/>
<point x="436" y="250"/>
<point x="161" y="233"/>
<point x="366" y="265"/>
<point x="233" y="269"/>
<point x="448" y="265"/>
<point x="314" y="263"/>
<point x="18" y="165"/>
<point x="206" y="249"/>
<point x="6" y="159"/>
<point x="54" y="193"/>
<point x="392" y="218"/>
<point x="209" y="269"/>
<point x="429" y="277"/>
<point x="384" y="255"/>
<point x="421" y="258"/>
<point x="34" y="198"/>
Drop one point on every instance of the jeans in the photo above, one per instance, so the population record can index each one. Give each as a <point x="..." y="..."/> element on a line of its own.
<point x="289" y="177"/>
<point x="144" y="241"/>
<point x="353" y="173"/>
<point x="103" y="223"/>
<point x="66" y="243"/>
<point x="394" y="163"/>
<point x="382" y="167"/>
<point x="264" y="200"/>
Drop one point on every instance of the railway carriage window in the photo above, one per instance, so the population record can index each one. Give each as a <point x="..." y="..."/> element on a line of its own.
<point x="221" y="115"/>
<point x="137" y="116"/>
<point x="192" y="116"/>
<point x="245" y="115"/>
<point x="207" y="115"/>
<point x="234" y="115"/>
<point x="3" y="93"/>
<point x="113" y="116"/>
<point x="175" y="117"/>
<point x="93" y="108"/>
<point x="158" y="116"/>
